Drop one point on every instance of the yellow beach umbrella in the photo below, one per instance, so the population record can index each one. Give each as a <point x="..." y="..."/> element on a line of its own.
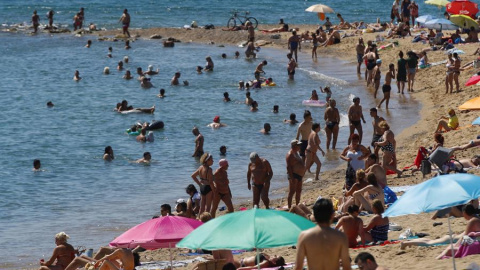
<point x="319" y="8"/>
<point x="464" y="21"/>
<point x="439" y="3"/>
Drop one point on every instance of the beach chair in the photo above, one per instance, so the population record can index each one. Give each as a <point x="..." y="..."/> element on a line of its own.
<point x="444" y="161"/>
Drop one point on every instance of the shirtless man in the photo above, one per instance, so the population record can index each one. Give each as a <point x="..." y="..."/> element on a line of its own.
<point x="292" y="64"/>
<point x="386" y="88"/>
<point x="377" y="131"/>
<point x="366" y="261"/>
<point x="372" y="166"/>
<point x="470" y="162"/>
<point x="294" y="44"/>
<point x="292" y="120"/>
<point x="36" y="165"/>
<point x="50" y="19"/>
<point x="331" y="244"/>
<point x="147" y="157"/>
<point x="142" y="136"/>
<point x="248" y="99"/>
<point x="175" y="78"/>
<point x="35" y="21"/>
<point x="251" y="31"/>
<point x="355" y="114"/>
<point x="250" y="51"/>
<point x="260" y="171"/>
<point x="295" y="171"/>
<point x="332" y="119"/>
<point x="377" y="76"/>
<point x="222" y="189"/>
<point x="198" y="152"/>
<point x="304" y="129"/>
<point x="259" y="69"/>
<point x="125" y="20"/>
<point x="311" y="151"/>
<point x="360" y="48"/>
<point x="352" y="226"/>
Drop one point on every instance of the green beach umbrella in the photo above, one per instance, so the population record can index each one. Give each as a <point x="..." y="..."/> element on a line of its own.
<point x="255" y="228"/>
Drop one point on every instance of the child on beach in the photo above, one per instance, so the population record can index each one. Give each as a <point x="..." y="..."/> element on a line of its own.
<point x="450" y="125"/>
<point x="327" y="91"/>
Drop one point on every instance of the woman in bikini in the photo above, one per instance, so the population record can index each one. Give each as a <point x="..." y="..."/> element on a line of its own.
<point x="388" y="144"/>
<point x="348" y="199"/>
<point x="265" y="262"/>
<point x="332" y="119"/>
<point x="62" y="255"/>
<point x="364" y="197"/>
<point x="456" y="70"/>
<point x="449" y="76"/>
<point x="327" y="91"/>
<point x="311" y="150"/>
<point x="207" y="188"/>
<point x="222" y="188"/>
<point x="377" y="228"/>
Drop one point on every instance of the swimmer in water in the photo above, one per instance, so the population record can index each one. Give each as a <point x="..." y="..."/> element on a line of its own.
<point x="128" y="75"/>
<point x="226" y="97"/>
<point x="150" y="71"/>
<point x="89" y="44"/>
<point x="36" y="165"/>
<point x="293" y="119"/>
<point x="209" y="66"/>
<point x="106" y="70"/>
<point x="120" y="65"/>
<point x="216" y="123"/>
<point x="248" y="99"/>
<point x="266" y="129"/>
<point x="125" y="59"/>
<point x="162" y="93"/>
<point x="199" y="70"/>
<point x="77" y="77"/>
<point x="146" y="83"/>
<point x="50" y="104"/>
<point x="254" y="107"/>
<point x="175" y="78"/>
<point x="275" y="109"/>
<point x="127" y="45"/>
<point x="147" y="157"/>
<point x="327" y="91"/>
<point x="237" y="54"/>
<point x="224" y="55"/>
<point x="241" y="85"/>
<point x="223" y="150"/>
<point x="108" y="154"/>
<point x="110" y="51"/>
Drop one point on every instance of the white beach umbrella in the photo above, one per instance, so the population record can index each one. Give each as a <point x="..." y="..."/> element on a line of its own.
<point x="441" y="24"/>
<point x="425" y="18"/>
<point x="319" y="8"/>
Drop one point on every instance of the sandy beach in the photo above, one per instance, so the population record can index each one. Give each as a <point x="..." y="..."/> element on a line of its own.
<point x="429" y="89"/>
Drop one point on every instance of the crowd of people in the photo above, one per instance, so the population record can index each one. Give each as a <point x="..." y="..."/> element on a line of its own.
<point x="367" y="165"/>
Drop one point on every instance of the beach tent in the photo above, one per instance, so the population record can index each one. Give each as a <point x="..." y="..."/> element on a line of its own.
<point x="250" y="229"/>
<point x="472" y="104"/>
<point x="463" y="7"/>
<point x="435" y="194"/>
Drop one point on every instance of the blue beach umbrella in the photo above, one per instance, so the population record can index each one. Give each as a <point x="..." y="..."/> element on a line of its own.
<point x="437" y="193"/>
<point x="441" y="24"/>
<point x="476" y="121"/>
<point x="423" y="19"/>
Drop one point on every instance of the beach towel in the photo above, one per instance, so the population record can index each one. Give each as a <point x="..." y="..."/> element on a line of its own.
<point x="376" y="245"/>
<point x="166" y="264"/>
<point x="286" y="266"/>
<point x="401" y="188"/>
<point x="465" y="250"/>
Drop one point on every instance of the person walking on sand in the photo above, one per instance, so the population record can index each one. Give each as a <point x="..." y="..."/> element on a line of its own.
<point x="332" y="120"/>
<point x="377" y="76"/>
<point x="412" y="64"/>
<point x="260" y="171"/>
<point x="292" y="64"/>
<point x="322" y="239"/>
<point x="221" y="182"/>
<point x="311" y="151"/>
<point x="35" y="21"/>
<point x="125" y="20"/>
<point x="360" y="48"/>
<point x="294" y="44"/>
<point x="198" y="152"/>
<point x="386" y="88"/>
<point x="355" y="114"/>
<point x="401" y="72"/>
<point x="295" y="171"/>
<point x="304" y="131"/>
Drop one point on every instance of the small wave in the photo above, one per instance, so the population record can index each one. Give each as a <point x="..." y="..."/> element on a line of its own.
<point x="343" y="120"/>
<point x="323" y="77"/>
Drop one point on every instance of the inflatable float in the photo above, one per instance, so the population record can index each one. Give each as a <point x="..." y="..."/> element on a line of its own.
<point x="314" y="103"/>
<point x="155" y="125"/>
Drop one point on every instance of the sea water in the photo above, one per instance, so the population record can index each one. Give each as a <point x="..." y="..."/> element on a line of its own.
<point x="95" y="201"/>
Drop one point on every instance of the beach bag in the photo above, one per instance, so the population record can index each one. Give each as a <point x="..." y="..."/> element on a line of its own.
<point x="209" y="26"/>
<point x="390" y="196"/>
<point x="476" y="64"/>
<point x="426" y="167"/>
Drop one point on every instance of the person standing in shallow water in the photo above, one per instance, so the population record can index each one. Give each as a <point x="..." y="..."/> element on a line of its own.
<point x="198" y="143"/>
<point x="125" y="20"/>
<point x="35" y="21"/>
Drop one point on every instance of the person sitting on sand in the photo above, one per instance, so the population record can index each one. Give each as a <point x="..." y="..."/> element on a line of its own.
<point x="108" y="154"/>
<point x="348" y="199"/>
<point x="334" y="38"/>
<point x="352" y="226"/>
<point x="455" y="211"/>
<point x="124" y="257"/>
<point x="450" y="125"/>
<point x="322" y="239"/>
<point x="372" y="166"/>
<point x="283" y="28"/>
<point x="343" y="24"/>
<point x="175" y="78"/>
<point x="265" y="262"/>
<point x="377" y="228"/>
<point x="77" y="77"/>
<point x="473" y="225"/>
<point x="216" y="123"/>
<point x="63" y="254"/>
<point x="145" y="83"/>
<point x="375" y="192"/>
<point x="292" y="120"/>
<point x="150" y="71"/>
<point x="128" y="75"/>
<point x="366" y="261"/>
<point x="147" y="157"/>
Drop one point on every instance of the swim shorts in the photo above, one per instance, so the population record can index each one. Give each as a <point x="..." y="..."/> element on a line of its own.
<point x="386" y="88"/>
<point x="401" y="77"/>
<point x="375" y="139"/>
<point x="291" y="72"/>
<point x="359" y="58"/>
<point x="125" y="26"/>
<point x="303" y="147"/>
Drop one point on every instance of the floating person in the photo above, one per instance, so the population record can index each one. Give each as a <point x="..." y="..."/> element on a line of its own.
<point x="216" y="123"/>
<point x="50" y="104"/>
<point x="76" y="76"/>
<point x="147" y="157"/>
<point x="108" y="154"/>
<point x="36" y="165"/>
<point x="266" y="129"/>
<point x="292" y="120"/>
<point x="162" y="93"/>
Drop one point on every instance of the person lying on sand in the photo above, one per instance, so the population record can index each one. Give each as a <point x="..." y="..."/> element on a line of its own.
<point x="108" y="258"/>
<point x="266" y="261"/>
<point x="283" y="28"/>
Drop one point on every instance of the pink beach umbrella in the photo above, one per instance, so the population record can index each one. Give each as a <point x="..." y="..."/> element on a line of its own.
<point x="162" y="232"/>
<point x="473" y="80"/>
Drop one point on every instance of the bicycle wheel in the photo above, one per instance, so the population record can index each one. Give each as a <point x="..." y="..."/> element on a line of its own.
<point x="231" y="23"/>
<point x="253" y="21"/>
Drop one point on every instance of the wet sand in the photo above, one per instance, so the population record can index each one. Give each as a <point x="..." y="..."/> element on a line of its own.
<point x="429" y="91"/>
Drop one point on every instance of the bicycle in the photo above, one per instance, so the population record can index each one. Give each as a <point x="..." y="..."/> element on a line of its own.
<point x="232" y="22"/>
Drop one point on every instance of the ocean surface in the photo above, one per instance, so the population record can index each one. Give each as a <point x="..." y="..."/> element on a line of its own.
<point x="94" y="201"/>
